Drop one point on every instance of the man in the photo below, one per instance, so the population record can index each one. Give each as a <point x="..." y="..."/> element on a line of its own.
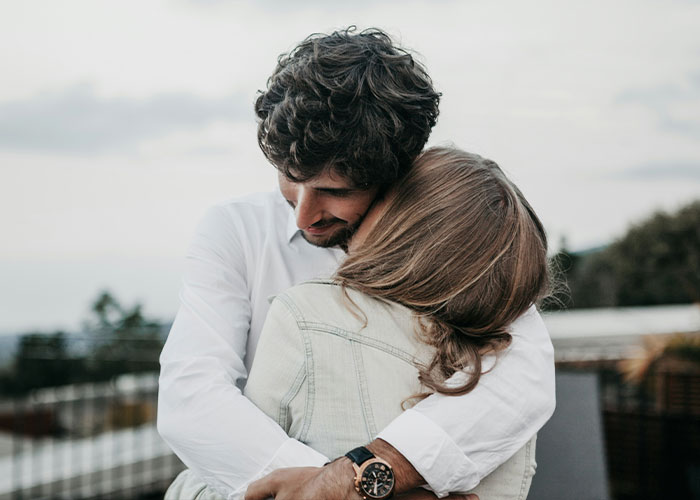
<point x="342" y="118"/>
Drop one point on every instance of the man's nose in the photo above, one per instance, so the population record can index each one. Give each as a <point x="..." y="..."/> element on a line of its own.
<point x="307" y="210"/>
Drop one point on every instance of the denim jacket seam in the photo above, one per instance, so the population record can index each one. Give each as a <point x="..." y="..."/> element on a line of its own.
<point x="359" y="338"/>
<point x="308" y="365"/>
<point x="293" y="392"/>
<point x="360" y="374"/>
<point x="527" y="472"/>
<point x="304" y="324"/>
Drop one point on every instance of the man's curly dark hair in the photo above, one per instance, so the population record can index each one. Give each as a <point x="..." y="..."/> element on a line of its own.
<point x="352" y="102"/>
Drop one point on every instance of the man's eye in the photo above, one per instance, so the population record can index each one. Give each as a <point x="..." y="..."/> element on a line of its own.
<point x="340" y="194"/>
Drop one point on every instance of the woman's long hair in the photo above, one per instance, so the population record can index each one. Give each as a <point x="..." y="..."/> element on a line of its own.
<point x="459" y="245"/>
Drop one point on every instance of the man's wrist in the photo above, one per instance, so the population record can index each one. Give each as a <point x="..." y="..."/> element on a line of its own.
<point x="342" y="470"/>
<point x="405" y="475"/>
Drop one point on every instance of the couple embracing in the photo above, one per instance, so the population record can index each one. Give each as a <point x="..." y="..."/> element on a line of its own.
<point x="402" y="354"/>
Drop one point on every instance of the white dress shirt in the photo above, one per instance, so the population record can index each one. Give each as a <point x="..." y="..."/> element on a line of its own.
<point x="245" y="251"/>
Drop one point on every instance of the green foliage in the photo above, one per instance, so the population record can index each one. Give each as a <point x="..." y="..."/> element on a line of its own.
<point x="656" y="262"/>
<point x="124" y="340"/>
<point x="119" y="341"/>
<point x="659" y="261"/>
<point x="42" y="360"/>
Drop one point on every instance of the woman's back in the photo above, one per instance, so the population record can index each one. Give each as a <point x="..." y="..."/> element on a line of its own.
<point x="333" y="373"/>
<point x="336" y="382"/>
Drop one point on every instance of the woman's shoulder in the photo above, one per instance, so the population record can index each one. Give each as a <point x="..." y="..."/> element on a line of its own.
<point x="326" y="301"/>
<point x="320" y="298"/>
<point x="329" y="292"/>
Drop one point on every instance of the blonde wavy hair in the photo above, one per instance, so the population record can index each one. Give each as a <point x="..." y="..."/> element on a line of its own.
<point x="458" y="244"/>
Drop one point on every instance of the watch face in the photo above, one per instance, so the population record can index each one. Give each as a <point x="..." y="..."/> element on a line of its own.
<point x="377" y="480"/>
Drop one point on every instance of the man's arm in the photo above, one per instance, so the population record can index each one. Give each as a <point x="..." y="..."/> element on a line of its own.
<point x="454" y="442"/>
<point x="324" y="483"/>
<point x="202" y="415"/>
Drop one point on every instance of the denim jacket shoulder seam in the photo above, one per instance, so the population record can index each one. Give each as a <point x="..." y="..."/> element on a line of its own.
<point x="358" y="338"/>
<point x="363" y="389"/>
<point x="317" y="326"/>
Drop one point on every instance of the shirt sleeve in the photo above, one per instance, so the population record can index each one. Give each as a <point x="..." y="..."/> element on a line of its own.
<point x="202" y="414"/>
<point x="455" y="441"/>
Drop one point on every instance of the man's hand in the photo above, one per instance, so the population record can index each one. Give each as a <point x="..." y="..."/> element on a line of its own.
<point x="308" y="483"/>
<point x="332" y="482"/>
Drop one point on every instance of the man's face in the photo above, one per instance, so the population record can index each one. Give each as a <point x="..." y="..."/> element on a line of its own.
<point x="328" y="208"/>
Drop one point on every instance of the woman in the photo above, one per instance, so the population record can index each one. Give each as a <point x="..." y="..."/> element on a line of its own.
<point x="436" y="273"/>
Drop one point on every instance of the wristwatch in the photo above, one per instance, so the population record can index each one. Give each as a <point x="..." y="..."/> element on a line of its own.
<point x="374" y="478"/>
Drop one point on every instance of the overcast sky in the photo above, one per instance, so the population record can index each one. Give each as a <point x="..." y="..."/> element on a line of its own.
<point x="121" y="121"/>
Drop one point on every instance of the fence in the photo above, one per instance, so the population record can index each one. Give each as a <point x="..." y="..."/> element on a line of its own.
<point x="85" y="441"/>
<point x="652" y="436"/>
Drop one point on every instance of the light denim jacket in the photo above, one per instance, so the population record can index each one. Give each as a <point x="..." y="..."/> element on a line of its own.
<point x="334" y="369"/>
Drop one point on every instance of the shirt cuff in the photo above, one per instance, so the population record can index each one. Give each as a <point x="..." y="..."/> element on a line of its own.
<point x="292" y="453"/>
<point x="432" y="452"/>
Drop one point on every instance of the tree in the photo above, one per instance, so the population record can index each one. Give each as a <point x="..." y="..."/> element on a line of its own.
<point x="124" y="340"/>
<point x="658" y="261"/>
<point x="655" y="262"/>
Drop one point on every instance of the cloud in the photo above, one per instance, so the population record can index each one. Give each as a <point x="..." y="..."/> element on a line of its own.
<point x="76" y="120"/>
<point x="676" y="107"/>
<point x="685" y="171"/>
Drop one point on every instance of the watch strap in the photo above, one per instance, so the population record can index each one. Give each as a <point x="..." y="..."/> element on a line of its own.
<point x="359" y="455"/>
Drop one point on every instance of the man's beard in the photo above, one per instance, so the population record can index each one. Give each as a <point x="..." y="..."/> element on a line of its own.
<point x="340" y="238"/>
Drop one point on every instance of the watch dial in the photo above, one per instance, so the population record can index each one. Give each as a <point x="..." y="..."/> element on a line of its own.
<point x="377" y="480"/>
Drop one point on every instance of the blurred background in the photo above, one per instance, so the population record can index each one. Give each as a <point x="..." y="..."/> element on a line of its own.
<point x="121" y="122"/>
